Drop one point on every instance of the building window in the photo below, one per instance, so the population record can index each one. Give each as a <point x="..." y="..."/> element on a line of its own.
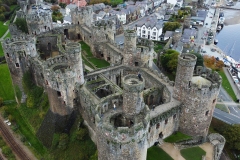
<point x="174" y="116"/>
<point x="158" y="125"/>
<point x="143" y="32"/>
<point x="214" y="100"/>
<point x="166" y="121"/>
<point x="17" y="65"/>
<point x="8" y="55"/>
<point x="136" y="63"/>
<point x="207" y="112"/>
<point x="59" y="94"/>
<point x="154" y="33"/>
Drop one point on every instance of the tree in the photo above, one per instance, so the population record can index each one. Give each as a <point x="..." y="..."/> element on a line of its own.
<point x="232" y="135"/>
<point x="81" y="133"/>
<point x="62" y="5"/>
<point x="199" y="59"/>
<point x="21" y="24"/>
<point x="63" y="141"/>
<point x="171" y="26"/>
<point x="1" y="101"/>
<point x="55" y="8"/>
<point x="169" y="61"/>
<point x="213" y="63"/>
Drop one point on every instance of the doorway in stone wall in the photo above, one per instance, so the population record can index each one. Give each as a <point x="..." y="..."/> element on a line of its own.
<point x="160" y="135"/>
<point x="66" y="33"/>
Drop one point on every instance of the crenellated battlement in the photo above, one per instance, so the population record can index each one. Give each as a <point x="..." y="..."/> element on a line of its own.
<point x="38" y="17"/>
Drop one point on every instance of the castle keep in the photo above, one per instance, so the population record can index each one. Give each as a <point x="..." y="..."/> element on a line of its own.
<point x="127" y="107"/>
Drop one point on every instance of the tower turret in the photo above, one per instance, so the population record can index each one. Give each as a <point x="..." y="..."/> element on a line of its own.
<point x="198" y="93"/>
<point x="133" y="86"/>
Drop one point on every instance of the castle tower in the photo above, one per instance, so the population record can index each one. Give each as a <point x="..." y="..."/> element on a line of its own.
<point x="133" y="95"/>
<point x="82" y="16"/>
<point x="198" y="94"/>
<point x="130" y="40"/>
<point x="39" y="23"/>
<point x="122" y="134"/>
<point x="185" y="68"/>
<point x="61" y="76"/>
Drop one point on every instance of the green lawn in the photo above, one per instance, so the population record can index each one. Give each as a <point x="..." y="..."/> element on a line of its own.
<point x="100" y="63"/>
<point x="222" y="107"/>
<point x="156" y="153"/>
<point x="8" y="35"/>
<point x="226" y="85"/>
<point x="115" y="2"/>
<point x="24" y="129"/>
<point x="194" y="153"/>
<point x="6" y="88"/>
<point x="86" y="48"/>
<point x="1" y="50"/>
<point x="177" y="137"/>
<point x="3" y="29"/>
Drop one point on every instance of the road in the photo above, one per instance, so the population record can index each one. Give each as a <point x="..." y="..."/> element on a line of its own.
<point x="225" y="117"/>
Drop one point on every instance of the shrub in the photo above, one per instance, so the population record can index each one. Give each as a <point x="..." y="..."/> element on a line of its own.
<point x="6" y="150"/>
<point x="1" y="102"/>
<point x="21" y="24"/>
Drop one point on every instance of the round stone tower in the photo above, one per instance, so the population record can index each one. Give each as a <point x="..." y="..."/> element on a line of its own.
<point x="122" y="133"/>
<point x="185" y="68"/>
<point x="132" y="95"/>
<point x="130" y="40"/>
<point x="198" y="93"/>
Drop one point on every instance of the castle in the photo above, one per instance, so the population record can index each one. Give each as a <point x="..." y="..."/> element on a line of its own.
<point x="127" y="107"/>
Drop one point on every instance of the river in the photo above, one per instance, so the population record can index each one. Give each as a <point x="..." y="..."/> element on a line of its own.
<point x="229" y="36"/>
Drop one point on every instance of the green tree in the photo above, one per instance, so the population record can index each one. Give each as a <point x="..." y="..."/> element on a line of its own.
<point x="232" y="135"/>
<point x="171" y="26"/>
<point x="6" y="150"/>
<point x="1" y="101"/>
<point x="82" y="133"/>
<point x="169" y="61"/>
<point x="21" y="23"/>
<point x="63" y="141"/>
<point x="199" y="59"/>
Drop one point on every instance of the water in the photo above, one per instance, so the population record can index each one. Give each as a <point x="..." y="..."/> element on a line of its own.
<point x="229" y="41"/>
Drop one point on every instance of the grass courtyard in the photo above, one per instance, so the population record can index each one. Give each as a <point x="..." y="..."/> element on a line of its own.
<point x="90" y="60"/>
<point x="194" y="153"/>
<point x="157" y="153"/>
<point x="177" y="137"/>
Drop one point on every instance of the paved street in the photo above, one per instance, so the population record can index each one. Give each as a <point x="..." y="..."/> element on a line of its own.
<point x="225" y="117"/>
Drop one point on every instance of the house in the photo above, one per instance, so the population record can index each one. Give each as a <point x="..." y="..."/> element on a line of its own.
<point x="173" y="2"/>
<point x="79" y="3"/>
<point x="67" y="19"/>
<point x="168" y="35"/>
<point x="100" y="15"/>
<point x="121" y="14"/>
<point x="150" y="28"/>
<point x="179" y="3"/>
<point x="156" y="3"/>
<point x="98" y="7"/>
<point x="189" y="35"/>
<point x="69" y="8"/>
<point x="200" y="17"/>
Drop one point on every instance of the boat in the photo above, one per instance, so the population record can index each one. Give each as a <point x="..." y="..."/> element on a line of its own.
<point x="215" y="41"/>
<point x="219" y="28"/>
<point x="221" y="20"/>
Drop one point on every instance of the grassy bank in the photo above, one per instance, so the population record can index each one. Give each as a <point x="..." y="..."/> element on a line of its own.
<point x="222" y="107"/>
<point x="177" y="137"/>
<point x="157" y="153"/>
<point x="226" y="85"/>
<point x="6" y="88"/>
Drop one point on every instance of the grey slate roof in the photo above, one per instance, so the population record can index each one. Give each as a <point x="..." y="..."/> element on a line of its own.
<point x="187" y="34"/>
<point x="151" y="22"/>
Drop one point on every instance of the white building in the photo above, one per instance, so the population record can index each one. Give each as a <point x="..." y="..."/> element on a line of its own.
<point x="122" y="15"/>
<point x="173" y="2"/>
<point x="150" y="29"/>
<point x="69" y="8"/>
